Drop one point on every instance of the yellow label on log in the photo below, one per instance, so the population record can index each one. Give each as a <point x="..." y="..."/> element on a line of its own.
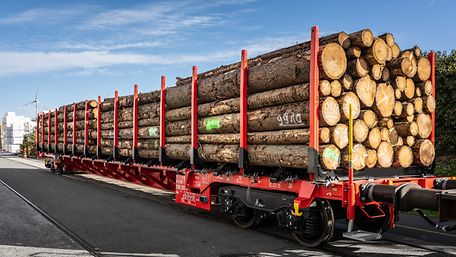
<point x="212" y="123"/>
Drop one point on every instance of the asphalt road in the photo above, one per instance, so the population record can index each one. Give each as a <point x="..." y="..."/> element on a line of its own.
<point x="122" y="222"/>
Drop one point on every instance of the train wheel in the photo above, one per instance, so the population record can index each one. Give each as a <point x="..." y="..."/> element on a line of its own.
<point x="318" y="227"/>
<point x="377" y="225"/>
<point x="246" y="217"/>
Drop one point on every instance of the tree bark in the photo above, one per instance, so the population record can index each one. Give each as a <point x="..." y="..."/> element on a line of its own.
<point x="127" y="101"/>
<point x="358" y="68"/>
<point x="275" y="97"/>
<point x="377" y="52"/>
<point x="362" y="38"/>
<point x="289" y="66"/>
<point x="389" y="39"/>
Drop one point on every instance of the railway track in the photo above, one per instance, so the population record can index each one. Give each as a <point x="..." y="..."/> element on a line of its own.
<point x="339" y="246"/>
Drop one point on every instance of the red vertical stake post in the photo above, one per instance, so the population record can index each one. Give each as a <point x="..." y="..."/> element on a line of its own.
<point x="162" y="153"/>
<point x="74" y="129"/>
<point x="42" y="131"/>
<point x="86" y="128"/>
<point x="431" y="58"/>
<point x="99" y="127"/>
<point x="37" y="132"/>
<point x="194" y="151"/>
<point x="49" y="131"/>
<point x="65" y="122"/>
<point x="134" y="152"/>
<point x="115" y="150"/>
<point x="314" y="104"/>
<point x="243" y="149"/>
<point x="56" y="130"/>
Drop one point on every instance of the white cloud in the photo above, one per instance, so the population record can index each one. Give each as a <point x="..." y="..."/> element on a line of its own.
<point x="13" y="63"/>
<point x="86" y="63"/>
<point x="165" y="18"/>
<point x="44" y="15"/>
<point x="100" y="46"/>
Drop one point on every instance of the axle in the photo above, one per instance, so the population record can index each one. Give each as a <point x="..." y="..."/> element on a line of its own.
<point x="409" y="196"/>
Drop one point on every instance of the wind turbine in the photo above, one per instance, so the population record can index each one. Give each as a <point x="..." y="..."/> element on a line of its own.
<point x="35" y="101"/>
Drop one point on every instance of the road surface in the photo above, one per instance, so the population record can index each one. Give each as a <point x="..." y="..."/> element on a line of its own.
<point x="118" y="221"/>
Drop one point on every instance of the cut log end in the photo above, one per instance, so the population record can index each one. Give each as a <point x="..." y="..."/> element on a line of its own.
<point x="424" y="152"/>
<point x="374" y="138"/>
<point x="350" y="99"/>
<point x="362" y="38"/>
<point x="325" y="87"/>
<point x="384" y="99"/>
<point x="330" y="157"/>
<point x="369" y="117"/>
<point x="339" y="135"/>
<point x="385" y="154"/>
<point x="333" y="61"/>
<point x="347" y="82"/>
<point x="371" y="159"/>
<point x="424" y="125"/>
<point x="365" y="90"/>
<point x="378" y="52"/>
<point x="360" y="131"/>
<point x="424" y="69"/>
<point x="325" y="135"/>
<point x="389" y="39"/>
<point x="429" y="103"/>
<point x="403" y="156"/>
<point x="336" y="88"/>
<point x="330" y="112"/>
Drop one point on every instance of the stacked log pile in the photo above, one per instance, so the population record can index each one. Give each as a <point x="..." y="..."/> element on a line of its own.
<point x="388" y="90"/>
<point x="80" y="127"/>
<point x="278" y="108"/>
<point x="148" y="125"/>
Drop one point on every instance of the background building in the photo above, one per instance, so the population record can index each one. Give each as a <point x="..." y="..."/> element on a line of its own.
<point x="13" y="130"/>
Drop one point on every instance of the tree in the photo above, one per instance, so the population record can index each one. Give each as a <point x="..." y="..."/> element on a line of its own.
<point x="28" y="146"/>
<point x="445" y="70"/>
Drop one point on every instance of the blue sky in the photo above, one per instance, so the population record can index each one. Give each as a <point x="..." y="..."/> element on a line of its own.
<point x="74" y="50"/>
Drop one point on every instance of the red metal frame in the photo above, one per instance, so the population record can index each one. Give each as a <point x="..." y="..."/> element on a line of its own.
<point x="86" y="127"/>
<point x="194" y="118"/>
<point x="37" y="132"/>
<point x="314" y="93"/>
<point x="116" y="124"/>
<point x="134" y="151"/>
<point x="56" y="130"/>
<point x="431" y="57"/>
<point x="99" y="127"/>
<point x="49" y="131"/>
<point x="195" y="188"/>
<point x="162" y="119"/>
<point x="65" y="123"/>
<point x="243" y="111"/>
<point x="42" y="130"/>
<point x="74" y="128"/>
